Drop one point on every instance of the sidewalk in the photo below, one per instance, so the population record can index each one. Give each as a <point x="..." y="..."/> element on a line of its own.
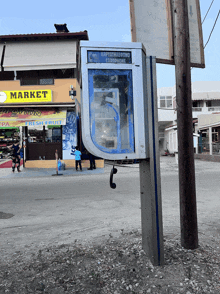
<point x="45" y="172"/>
<point x="168" y="165"/>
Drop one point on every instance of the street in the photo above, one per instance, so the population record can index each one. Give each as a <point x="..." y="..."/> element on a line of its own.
<point x="45" y="211"/>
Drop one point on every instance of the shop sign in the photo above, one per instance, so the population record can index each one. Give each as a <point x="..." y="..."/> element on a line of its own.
<point x="109" y="57"/>
<point x="27" y="96"/>
<point x="32" y="117"/>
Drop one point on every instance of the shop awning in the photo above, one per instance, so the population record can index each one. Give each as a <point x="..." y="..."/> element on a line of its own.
<point x="40" y="55"/>
<point x="208" y="120"/>
<point x="32" y="117"/>
<point x="206" y="96"/>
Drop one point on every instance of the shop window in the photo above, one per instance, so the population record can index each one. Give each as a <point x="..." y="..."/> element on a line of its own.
<point x="46" y="81"/>
<point x="215" y="103"/>
<point x="214" y="135"/>
<point x="197" y="103"/>
<point x="8" y="136"/>
<point x="33" y="81"/>
<point x="36" y="135"/>
<point x="166" y="101"/>
<point x="194" y="104"/>
<point x="44" y="77"/>
<point x="44" y="134"/>
<point x="6" y="75"/>
<point x="53" y="135"/>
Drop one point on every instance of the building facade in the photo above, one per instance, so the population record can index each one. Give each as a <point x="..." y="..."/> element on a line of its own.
<point x="38" y="71"/>
<point x="205" y="110"/>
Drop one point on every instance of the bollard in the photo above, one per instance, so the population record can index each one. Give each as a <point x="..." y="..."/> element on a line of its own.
<point x="56" y="157"/>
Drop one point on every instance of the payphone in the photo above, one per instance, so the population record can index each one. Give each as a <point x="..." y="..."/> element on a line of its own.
<point x="114" y="100"/>
<point x="119" y="121"/>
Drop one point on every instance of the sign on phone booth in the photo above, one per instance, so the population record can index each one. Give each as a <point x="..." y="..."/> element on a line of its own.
<point x="113" y="93"/>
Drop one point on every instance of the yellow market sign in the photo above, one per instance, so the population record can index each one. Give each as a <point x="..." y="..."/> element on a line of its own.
<point x="27" y="96"/>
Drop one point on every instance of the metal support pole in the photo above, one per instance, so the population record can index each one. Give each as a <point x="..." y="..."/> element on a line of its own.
<point x="210" y="141"/>
<point x="56" y="157"/>
<point x="150" y="183"/>
<point x="187" y="188"/>
<point x="25" y="142"/>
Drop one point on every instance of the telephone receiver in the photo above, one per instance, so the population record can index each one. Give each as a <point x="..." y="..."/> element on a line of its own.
<point x="113" y="171"/>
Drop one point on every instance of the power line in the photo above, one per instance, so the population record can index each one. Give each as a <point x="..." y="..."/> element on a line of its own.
<point x="208" y="11"/>
<point x="212" y="28"/>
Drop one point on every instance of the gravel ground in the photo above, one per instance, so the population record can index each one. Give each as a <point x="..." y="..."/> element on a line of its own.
<point x="114" y="266"/>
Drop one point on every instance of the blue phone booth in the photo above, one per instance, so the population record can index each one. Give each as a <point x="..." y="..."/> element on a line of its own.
<point x="114" y="96"/>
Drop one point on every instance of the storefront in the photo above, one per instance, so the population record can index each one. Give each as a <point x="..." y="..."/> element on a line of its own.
<point x="46" y="121"/>
<point x="36" y="75"/>
<point x="42" y="131"/>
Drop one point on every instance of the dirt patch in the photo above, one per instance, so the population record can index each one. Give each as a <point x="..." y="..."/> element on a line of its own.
<point x="4" y="215"/>
<point x="116" y="266"/>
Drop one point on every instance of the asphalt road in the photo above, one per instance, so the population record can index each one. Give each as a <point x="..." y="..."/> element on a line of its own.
<point x="45" y="211"/>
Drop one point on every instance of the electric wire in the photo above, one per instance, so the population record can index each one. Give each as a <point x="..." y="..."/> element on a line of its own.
<point x="208" y="11"/>
<point x="212" y="29"/>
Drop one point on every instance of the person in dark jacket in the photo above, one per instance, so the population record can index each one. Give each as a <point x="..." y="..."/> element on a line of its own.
<point x="15" y="156"/>
<point x="92" y="162"/>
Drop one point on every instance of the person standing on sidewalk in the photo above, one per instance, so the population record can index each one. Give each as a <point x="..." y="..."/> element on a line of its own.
<point x="15" y="156"/>
<point x="92" y="162"/>
<point x="78" y="154"/>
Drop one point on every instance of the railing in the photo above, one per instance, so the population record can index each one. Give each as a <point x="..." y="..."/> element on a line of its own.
<point x="216" y="148"/>
<point x="213" y="108"/>
<point x="200" y="109"/>
<point x="204" y="148"/>
<point x="197" y="109"/>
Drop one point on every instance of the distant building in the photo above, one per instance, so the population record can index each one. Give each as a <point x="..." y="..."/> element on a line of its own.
<point x="205" y="113"/>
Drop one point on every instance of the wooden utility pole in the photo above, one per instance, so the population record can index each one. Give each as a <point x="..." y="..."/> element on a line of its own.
<point x="187" y="187"/>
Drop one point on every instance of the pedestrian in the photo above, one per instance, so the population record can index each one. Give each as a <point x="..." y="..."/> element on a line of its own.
<point x="92" y="162"/>
<point x="16" y="159"/>
<point x="78" y="154"/>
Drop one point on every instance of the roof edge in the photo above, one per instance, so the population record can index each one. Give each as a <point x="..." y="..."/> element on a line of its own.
<point x="47" y="36"/>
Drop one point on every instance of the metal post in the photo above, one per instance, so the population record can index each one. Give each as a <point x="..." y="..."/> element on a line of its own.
<point x="187" y="189"/>
<point x="56" y="157"/>
<point x="210" y="141"/>
<point x="150" y="183"/>
<point x="25" y="141"/>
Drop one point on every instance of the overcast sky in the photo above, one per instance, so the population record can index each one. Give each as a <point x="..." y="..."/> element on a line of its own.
<point x="105" y="21"/>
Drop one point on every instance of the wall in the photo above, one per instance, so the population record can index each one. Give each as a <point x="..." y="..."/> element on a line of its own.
<point x="68" y="163"/>
<point x="166" y="114"/>
<point x="206" y="86"/>
<point x="60" y="89"/>
<point x="170" y="140"/>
